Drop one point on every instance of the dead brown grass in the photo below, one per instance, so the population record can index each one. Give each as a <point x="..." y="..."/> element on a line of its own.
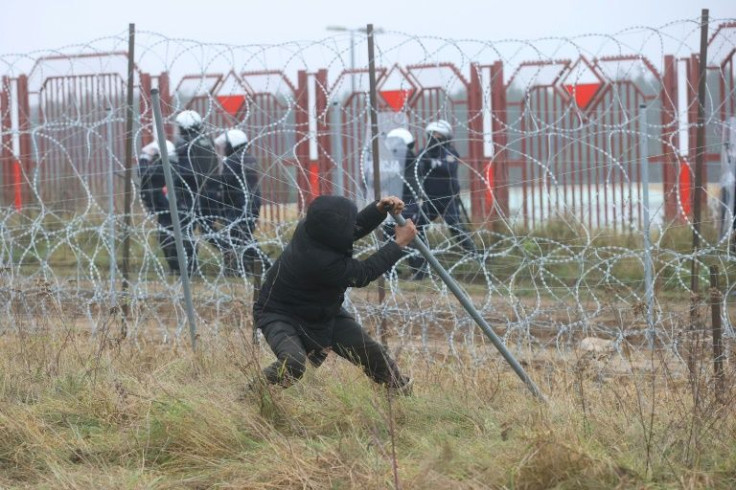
<point x="91" y="412"/>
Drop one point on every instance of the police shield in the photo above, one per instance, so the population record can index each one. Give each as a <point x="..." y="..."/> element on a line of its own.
<point x="391" y="158"/>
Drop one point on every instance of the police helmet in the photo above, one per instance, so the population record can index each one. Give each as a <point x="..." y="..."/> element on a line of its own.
<point x="402" y="133"/>
<point x="189" y="120"/>
<point x="235" y="137"/>
<point x="440" y="127"/>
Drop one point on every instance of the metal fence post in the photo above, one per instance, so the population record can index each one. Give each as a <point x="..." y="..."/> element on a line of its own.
<point x="698" y="190"/>
<point x="468" y="305"/>
<point x="719" y="377"/>
<point x="339" y="184"/>
<point x="111" y="204"/>
<point x="376" y="164"/>
<point x="644" y="166"/>
<point x="181" y="256"/>
<point x="128" y="200"/>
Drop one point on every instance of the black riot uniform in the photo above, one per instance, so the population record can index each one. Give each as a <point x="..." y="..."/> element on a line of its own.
<point x="241" y="206"/>
<point x="198" y="191"/>
<point x="153" y="196"/>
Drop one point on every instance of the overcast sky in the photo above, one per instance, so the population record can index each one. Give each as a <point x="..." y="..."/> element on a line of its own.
<point x="28" y="25"/>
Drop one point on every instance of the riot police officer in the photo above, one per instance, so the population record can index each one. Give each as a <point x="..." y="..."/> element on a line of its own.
<point x="241" y="204"/>
<point x="152" y="186"/>
<point x="197" y="184"/>
<point x="437" y="170"/>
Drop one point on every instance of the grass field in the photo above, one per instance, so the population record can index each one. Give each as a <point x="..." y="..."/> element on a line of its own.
<point x="94" y="412"/>
<point x="83" y="411"/>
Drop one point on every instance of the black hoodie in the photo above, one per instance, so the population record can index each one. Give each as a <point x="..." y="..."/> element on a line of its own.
<point x="309" y="279"/>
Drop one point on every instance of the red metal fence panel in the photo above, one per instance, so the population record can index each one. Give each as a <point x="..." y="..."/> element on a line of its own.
<point x="561" y="145"/>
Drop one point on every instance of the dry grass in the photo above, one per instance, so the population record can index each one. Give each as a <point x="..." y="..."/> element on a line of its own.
<point x="82" y="412"/>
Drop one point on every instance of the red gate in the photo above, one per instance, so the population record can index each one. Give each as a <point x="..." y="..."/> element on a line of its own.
<point x="416" y="94"/>
<point x="70" y="101"/>
<point x="263" y="104"/>
<point x="577" y="154"/>
<point x="557" y="139"/>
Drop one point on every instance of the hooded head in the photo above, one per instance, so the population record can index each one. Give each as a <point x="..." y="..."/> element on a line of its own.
<point x="331" y="222"/>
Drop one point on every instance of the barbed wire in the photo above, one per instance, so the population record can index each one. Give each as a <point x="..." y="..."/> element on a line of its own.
<point x="548" y="145"/>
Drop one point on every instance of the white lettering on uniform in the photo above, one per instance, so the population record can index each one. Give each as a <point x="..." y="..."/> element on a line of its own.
<point x="390" y="166"/>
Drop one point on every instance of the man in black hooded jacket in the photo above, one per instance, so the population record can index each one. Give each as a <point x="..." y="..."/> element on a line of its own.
<point x="299" y="307"/>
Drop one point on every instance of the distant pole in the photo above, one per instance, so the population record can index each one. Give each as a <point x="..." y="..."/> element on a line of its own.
<point x="648" y="268"/>
<point x="111" y="204"/>
<point x="128" y="204"/>
<point x="376" y="163"/>
<point x="699" y="146"/>
<point x="715" y="301"/>
<point x="374" y="114"/>
<point x="698" y="193"/>
<point x="181" y="256"/>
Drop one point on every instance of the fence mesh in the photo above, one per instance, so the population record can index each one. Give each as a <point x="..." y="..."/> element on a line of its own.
<point x="549" y="137"/>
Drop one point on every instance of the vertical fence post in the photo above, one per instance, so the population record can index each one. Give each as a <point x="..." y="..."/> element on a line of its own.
<point x="501" y="170"/>
<point x="698" y="194"/>
<point x="181" y="256"/>
<point x="164" y="91"/>
<point x="144" y="109"/>
<point x="111" y="203"/>
<point x="719" y="380"/>
<point x="376" y="162"/>
<point x="128" y="200"/>
<point x="301" y="117"/>
<point x="670" y="138"/>
<point x="339" y="177"/>
<point x="478" y="206"/>
<point x="323" y="134"/>
<point x="644" y="166"/>
<point x="24" y="165"/>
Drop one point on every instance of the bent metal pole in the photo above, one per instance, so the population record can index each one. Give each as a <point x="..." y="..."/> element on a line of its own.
<point x="181" y="256"/>
<point x="468" y="305"/>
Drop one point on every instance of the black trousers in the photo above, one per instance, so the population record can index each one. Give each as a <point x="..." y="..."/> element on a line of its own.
<point x="293" y="348"/>
<point x="166" y="240"/>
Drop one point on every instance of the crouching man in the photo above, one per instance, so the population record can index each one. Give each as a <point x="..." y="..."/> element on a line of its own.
<point x="299" y="307"/>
